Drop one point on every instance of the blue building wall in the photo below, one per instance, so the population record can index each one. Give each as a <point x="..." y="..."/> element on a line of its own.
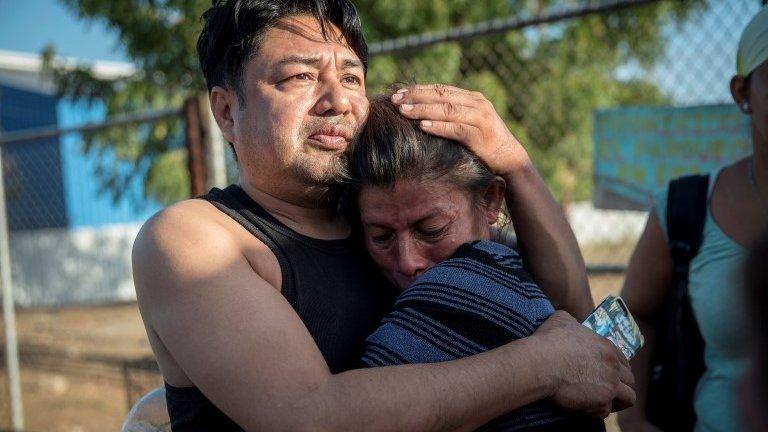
<point x="639" y="149"/>
<point x="86" y="202"/>
<point x="32" y="170"/>
<point x="53" y="182"/>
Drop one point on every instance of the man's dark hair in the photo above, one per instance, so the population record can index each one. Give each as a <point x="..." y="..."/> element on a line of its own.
<point x="233" y="31"/>
<point x="391" y="147"/>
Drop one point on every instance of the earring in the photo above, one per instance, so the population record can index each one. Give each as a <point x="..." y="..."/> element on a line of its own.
<point x="746" y="107"/>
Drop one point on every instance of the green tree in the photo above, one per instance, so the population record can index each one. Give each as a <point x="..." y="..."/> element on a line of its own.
<point x="545" y="81"/>
<point x="160" y="38"/>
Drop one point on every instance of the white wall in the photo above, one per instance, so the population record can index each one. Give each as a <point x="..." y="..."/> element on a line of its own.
<point x="593" y="225"/>
<point x="57" y="267"/>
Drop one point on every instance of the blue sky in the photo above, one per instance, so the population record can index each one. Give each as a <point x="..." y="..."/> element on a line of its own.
<point x="706" y="45"/>
<point x="51" y="22"/>
<point x="28" y="25"/>
<point x="701" y="55"/>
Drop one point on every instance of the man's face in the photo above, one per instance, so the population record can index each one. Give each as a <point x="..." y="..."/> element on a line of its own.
<point x="304" y="98"/>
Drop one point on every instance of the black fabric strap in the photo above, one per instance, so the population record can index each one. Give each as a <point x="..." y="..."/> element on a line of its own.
<point x="686" y="213"/>
<point x="259" y="223"/>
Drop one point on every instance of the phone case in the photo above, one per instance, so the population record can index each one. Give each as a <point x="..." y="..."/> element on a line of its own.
<point x="611" y="319"/>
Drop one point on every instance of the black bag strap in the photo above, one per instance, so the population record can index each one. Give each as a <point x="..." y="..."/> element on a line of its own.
<point x="678" y="357"/>
<point x="686" y="213"/>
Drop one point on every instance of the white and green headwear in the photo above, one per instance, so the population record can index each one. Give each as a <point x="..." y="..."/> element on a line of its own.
<point x="753" y="46"/>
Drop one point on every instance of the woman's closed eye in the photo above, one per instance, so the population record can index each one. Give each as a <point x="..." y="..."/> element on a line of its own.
<point x="432" y="234"/>
<point x="380" y="239"/>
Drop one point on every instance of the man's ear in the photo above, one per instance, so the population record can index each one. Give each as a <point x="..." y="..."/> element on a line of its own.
<point x="223" y="104"/>
<point x="493" y="197"/>
<point x="740" y="93"/>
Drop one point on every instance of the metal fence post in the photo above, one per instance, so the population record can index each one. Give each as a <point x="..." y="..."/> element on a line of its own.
<point x="215" y="153"/>
<point x="194" y="142"/>
<point x="9" y="319"/>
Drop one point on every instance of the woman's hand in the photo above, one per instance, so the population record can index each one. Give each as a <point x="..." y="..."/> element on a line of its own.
<point x="466" y="117"/>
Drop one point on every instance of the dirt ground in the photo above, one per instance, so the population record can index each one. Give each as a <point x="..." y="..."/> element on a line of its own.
<point x="79" y="367"/>
<point x="82" y="367"/>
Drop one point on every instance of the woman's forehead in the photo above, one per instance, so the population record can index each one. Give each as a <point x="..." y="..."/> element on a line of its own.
<point x="417" y="190"/>
<point x="409" y="201"/>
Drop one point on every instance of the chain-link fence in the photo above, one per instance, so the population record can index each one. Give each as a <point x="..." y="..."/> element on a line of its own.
<point x="548" y="74"/>
<point x="73" y="209"/>
<point x="83" y="357"/>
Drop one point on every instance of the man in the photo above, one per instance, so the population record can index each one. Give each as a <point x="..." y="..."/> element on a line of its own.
<point x="255" y="300"/>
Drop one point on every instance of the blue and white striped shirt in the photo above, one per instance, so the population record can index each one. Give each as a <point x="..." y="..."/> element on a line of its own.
<point x="478" y="299"/>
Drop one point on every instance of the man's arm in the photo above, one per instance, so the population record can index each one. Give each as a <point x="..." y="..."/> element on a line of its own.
<point x="546" y="241"/>
<point x="545" y="238"/>
<point x="240" y="342"/>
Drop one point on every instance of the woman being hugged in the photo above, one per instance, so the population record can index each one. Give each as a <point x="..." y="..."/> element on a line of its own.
<point x="426" y="207"/>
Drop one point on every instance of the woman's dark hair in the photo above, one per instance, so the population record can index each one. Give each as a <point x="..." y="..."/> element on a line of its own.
<point x="391" y="147"/>
<point x="233" y="31"/>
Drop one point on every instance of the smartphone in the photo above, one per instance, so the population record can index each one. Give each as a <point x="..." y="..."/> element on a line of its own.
<point x="611" y="319"/>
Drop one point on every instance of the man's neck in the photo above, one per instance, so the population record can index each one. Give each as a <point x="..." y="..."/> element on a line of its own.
<point x="320" y="219"/>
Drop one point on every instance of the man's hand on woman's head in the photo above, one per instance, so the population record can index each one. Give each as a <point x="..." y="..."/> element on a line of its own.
<point x="589" y="373"/>
<point x="467" y="117"/>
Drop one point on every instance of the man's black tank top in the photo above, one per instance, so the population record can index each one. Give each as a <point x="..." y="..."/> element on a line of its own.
<point x="333" y="286"/>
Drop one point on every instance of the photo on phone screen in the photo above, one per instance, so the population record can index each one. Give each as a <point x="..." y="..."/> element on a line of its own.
<point x="611" y="319"/>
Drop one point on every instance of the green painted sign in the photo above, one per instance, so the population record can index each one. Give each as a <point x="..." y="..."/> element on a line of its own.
<point x="639" y="149"/>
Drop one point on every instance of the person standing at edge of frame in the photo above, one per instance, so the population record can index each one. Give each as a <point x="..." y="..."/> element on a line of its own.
<point x="737" y="211"/>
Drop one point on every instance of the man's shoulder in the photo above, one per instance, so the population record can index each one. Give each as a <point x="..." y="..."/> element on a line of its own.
<point x="192" y="240"/>
<point x="193" y="232"/>
<point x="191" y="220"/>
<point x="190" y="211"/>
